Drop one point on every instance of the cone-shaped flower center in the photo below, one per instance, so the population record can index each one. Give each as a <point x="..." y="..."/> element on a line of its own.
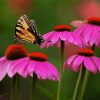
<point x="94" y="20"/>
<point x="62" y="28"/>
<point x="15" y="51"/>
<point x="85" y="52"/>
<point x="38" y="56"/>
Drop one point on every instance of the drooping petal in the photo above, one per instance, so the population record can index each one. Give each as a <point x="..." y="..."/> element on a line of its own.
<point x="69" y="37"/>
<point x="54" y="75"/>
<point x="77" y="40"/>
<point x="31" y="67"/>
<point x="97" y="62"/>
<point x="92" y="36"/>
<point x="89" y="64"/>
<point x="97" y="35"/>
<point x="2" y="59"/>
<point x="55" y="37"/>
<point x="47" y="35"/>
<point x="87" y="34"/>
<point x="3" y="69"/>
<point x="22" y="67"/>
<point x="40" y="71"/>
<point x="69" y="61"/>
<point x="62" y="35"/>
<point x="80" y="29"/>
<point x="15" y="65"/>
<point x="79" y="60"/>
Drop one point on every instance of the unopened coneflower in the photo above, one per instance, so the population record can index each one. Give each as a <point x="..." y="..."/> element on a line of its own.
<point x="88" y="31"/>
<point x="10" y="63"/>
<point x="86" y="60"/>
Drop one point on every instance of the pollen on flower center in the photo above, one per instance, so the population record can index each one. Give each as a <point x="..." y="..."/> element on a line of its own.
<point x="85" y="52"/>
<point x="94" y="20"/>
<point x="62" y="28"/>
<point x="38" y="56"/>
<point x="15" y="51"/>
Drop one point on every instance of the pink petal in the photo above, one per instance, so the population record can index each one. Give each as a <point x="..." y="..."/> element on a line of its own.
<point x="77" y="40"/>
<point x="89" y="64"/>
<point x="69" y="37"/>
<point x="48" y="35"/>
<point x="92" y="37"/>
<point x="63" y="35"/>
<point x="31" y="67"/>
<point x="2" y="59"/>
<point x="53" y="73"/>
<point x="15" y="65"/>
<point x="79" y="60"/>
<point x="69" y="61"/>
<point x="97" y="35"/>
<point x="87" y="33"/>
<point x="22" y="67"/>
<point x="79" y="31"/>
<point x="39" y="71"/>
<point x="97" y="62"/>
<point x="55" y="37"/>
<point x="3" y="69"/>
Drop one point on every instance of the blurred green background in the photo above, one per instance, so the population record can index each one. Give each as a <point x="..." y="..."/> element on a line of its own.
<point x="47" y="14"/>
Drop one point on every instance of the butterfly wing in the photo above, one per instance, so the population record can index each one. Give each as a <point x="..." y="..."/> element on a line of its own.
<point x="23" y="29"/>
<point x="26" y="31"/>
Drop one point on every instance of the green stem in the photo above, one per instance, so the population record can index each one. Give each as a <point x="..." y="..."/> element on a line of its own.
<point x="84" y="85"/>
<point x="85" y="80"/>
<point x="12" y="95"/>
<point x="61" y="65"/>
<point x="34" y="78"/>
<point x="18" y="87"/>
<point x="77" y="85"/>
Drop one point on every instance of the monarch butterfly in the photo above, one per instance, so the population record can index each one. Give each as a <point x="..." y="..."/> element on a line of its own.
<point x="26" y="31"/>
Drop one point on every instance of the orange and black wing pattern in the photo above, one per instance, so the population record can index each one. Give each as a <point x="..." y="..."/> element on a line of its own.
<point x="26" y="31"/>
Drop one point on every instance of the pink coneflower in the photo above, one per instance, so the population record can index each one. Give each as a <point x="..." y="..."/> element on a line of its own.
<point x="38" y="64"/>
<point x="60" y="33"/>
<point x="88" y="31"/>
<point x="83" y="57"/>
<point x="9" y="63"/>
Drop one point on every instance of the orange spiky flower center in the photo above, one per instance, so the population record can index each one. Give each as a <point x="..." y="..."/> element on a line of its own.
<point x="38" y="56"/>
<point x="15" y="51"/>
<point x="85" y="52"/>
<point x="94" y="20"/>
<point x="62" y="28"/>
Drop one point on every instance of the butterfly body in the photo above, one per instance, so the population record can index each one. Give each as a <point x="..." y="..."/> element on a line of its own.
<point x="26" y="31"/>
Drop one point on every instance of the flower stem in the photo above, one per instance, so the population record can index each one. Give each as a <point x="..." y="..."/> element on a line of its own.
<point x="12" y="95"/>
<point x="84" y="85"/>
<point x="77" y="85"/>
<point x="85" y="80"/>
<point x="61" y="65"/>
<point x="18" y="87"/>
<point x="34" y="78"/>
